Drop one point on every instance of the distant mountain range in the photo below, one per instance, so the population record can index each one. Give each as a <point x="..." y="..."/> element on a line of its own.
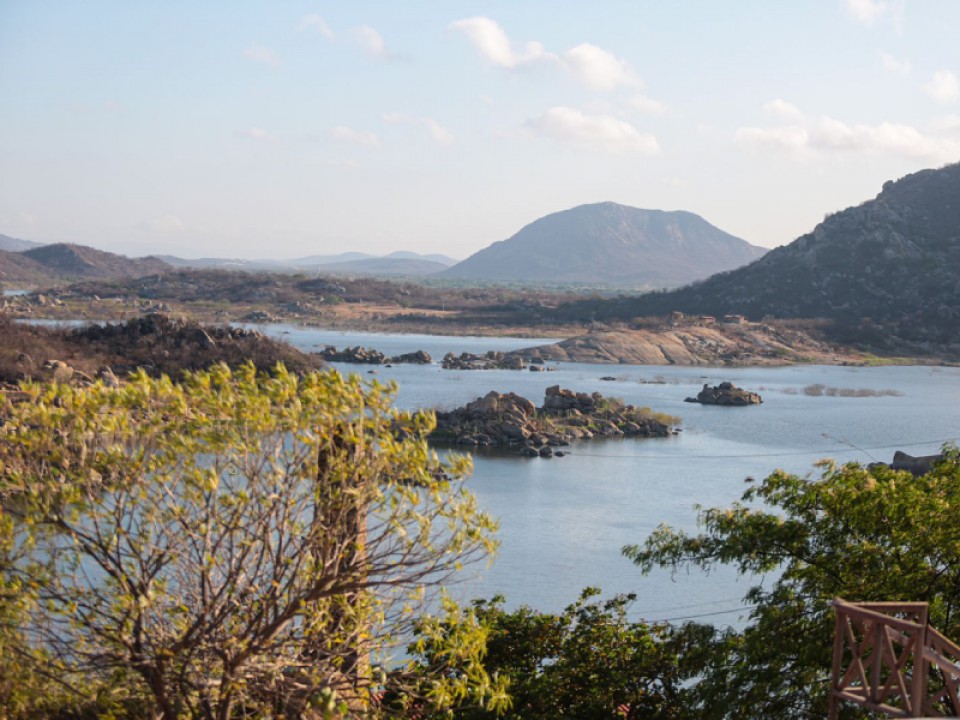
<point x="12" y="244"/>
<point x="600" y="244"/>
<point x="396" y="264"/>
<point x="890" y="266"/>
<point x="607" y="243"/>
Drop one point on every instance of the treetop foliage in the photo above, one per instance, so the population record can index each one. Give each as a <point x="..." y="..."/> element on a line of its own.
<point x="238" y="542"/>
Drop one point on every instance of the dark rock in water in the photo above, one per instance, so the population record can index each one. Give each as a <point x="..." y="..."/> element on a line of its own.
<point x="491" y="360"/>
<point x="916" y="465"/>
<point x="357" y="355"/>
<point x="510" y="419"/>
<point x="726" y="394"/>
<point x="367" y="356"/>
<point x="420" y="357"/>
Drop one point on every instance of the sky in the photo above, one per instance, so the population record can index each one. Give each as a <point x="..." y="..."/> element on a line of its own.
<point x="290" y="128"/>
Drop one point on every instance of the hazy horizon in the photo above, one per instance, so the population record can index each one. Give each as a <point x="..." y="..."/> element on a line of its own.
<point x="258" y="130"/>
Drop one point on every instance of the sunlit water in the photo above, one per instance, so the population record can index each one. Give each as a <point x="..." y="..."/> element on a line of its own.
<point x="563" y="521"/>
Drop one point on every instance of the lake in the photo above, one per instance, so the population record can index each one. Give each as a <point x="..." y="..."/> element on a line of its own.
<point x="564" y="520"/>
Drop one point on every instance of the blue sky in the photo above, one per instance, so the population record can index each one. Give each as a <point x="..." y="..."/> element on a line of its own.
<point x="281" y="129"/>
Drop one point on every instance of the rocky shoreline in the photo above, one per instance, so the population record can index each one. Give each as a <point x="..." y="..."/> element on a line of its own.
<point x="511" y="420"/>
<point x="747" y="344"/>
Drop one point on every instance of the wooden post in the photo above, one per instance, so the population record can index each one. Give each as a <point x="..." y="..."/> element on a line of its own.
<point x="834" y="701"/>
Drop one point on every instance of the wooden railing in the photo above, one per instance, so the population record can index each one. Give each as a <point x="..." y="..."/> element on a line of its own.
<point x="888" y="659"/>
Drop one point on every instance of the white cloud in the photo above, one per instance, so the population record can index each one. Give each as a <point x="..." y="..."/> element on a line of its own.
<point x="162" y="224"/>
<point x="593" y="132"/>
<point x="895" y="66"/>
<point x="440" y="134"/>
<point x="262" y="55"/>
<point x="866" y="11"/>
<point x="943" y="87"/>
<point x="492" y="42"/>
<point x="949" y="124"/>
<point x="258" y="134"/>
<point x="647" y="105"/>
<point x="598" y="69"/>
<point x="370" y="41"/>
<point x="315" y="21"/>
<point x="357" y="137"/>
<point x="791" y="137"/>
<point x="396" y="118"/>
<point x="811" y="137"/>
<point x="783" y="109"/>
<point x="593" y="67"/>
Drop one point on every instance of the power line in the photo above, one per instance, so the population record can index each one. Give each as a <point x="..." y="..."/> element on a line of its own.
<point x="764" y="455"/>
<point x="687" y="607"/>
<point x="708" y="614"/>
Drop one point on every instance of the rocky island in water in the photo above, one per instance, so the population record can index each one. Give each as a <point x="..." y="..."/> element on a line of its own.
<point x="508" y="419"/>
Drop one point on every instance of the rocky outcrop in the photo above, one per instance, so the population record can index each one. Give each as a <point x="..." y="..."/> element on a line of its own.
<point x="420" y="357"/>
<point x="917" y="465"/>
<point x="746" y="344"/>
<point x="367" y="356"/>
<point x="491" y="360"/>
<point x="512" y="420"/>
<point x="727" y="394"/>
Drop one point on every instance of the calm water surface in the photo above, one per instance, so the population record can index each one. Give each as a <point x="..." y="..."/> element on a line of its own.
<point x="564" y="520"/>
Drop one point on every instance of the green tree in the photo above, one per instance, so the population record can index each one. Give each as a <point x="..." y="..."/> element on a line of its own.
<point x="589" y="662"/>
<point x="236" y="543"/>
<point x="863" y="534"/>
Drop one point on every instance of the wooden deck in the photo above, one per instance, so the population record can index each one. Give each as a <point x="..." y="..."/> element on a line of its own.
<point x="886" y="657"/>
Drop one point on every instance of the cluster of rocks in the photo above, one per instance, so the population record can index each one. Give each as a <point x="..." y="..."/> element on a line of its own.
<point x="512" y="420"/>
<point x="725" y="393"/>
<point x="491" y="360"/>
<point x="368" y="356"/>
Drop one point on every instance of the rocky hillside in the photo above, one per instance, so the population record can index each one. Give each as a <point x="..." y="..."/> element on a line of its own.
<point x="62" y="261"/>
<point x="884" y="271"/>
<point x="16" y="268"/>
<point x="80" y="261"/>
<point x="158" y="344"/>
<point x="610" y="244"/>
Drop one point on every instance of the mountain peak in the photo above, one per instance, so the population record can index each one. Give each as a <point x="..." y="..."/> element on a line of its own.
<point x="613" y="244"/>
